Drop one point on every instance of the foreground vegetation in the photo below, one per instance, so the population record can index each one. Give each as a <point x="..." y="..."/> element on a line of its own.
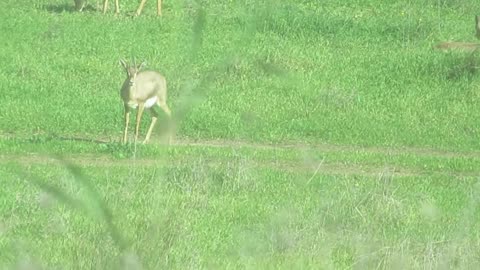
<point x="308" y="135"/>
<point x="240" y="207"/>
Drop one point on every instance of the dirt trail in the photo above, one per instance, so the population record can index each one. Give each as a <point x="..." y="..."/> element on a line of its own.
<point x="321" y="147"/>
<point x="105" y="161"/>
<point x="416" y="151"/>
<point x="296" y="166"/>
<point x="321" y="167"/>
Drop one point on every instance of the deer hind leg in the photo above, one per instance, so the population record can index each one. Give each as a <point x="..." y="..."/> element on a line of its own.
<point x="159" y="7"/>
<point x="164" y="106"/>
<point x="141" y="106"/>
<point x="140" y="7"/>
<point x="105" y="6"/>
<point x="152" y="124"/>
<point x="79" y="5"/>
<point x="117" y="7"/>
<point x="127" y="119"/>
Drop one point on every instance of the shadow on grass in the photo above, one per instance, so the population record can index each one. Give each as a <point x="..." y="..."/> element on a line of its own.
<point x="81" y="139"/>
<point x="41" y="138"/>
<point x="61" y="8"/>
<point x="466" y="66"/>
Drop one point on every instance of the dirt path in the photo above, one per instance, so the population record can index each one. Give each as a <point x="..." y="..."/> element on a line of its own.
<point x="321" y="147"/>
<point x="322" y="167"/>
<point x="416" y="151"/>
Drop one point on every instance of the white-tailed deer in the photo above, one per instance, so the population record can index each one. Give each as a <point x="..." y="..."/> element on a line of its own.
<point x="143" y="89"/>
<point x="464" y="46"/>
<point x="139" y="9"/>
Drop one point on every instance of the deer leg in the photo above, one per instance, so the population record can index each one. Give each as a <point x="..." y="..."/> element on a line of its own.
<point x="79" y="5"/>
<point x="127" y="119"/>
<point x="140" y="7"/>
<point x="152" y="124"/>
<point x="117" y="7"/>
<point x="83" y="6"/>
<point x="165" y="108"/>
<point x="105" y="6"/>
<point x="159" y="7"/>
<point x="141" y="106"/>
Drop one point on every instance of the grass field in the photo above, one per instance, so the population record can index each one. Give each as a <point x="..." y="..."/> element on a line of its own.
<point x="309" y="135"/>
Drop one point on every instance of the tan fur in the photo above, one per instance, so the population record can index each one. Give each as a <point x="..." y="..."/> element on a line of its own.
<point x="141" y="88"/>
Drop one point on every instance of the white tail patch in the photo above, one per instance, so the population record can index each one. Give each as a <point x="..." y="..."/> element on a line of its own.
<point x="148" y="103"/>
<point x="151" y="101"/>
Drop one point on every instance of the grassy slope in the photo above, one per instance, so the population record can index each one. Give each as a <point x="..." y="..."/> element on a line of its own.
<point x="346" y="74"/>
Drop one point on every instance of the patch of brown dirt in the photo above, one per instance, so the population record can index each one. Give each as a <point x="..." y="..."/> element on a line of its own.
<point x="322" y="168"/>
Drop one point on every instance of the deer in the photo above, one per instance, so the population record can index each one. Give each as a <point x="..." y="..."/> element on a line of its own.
<point x="139" y="9"/>
<point x="143" y="89"/>
<point x="465" y="46"/>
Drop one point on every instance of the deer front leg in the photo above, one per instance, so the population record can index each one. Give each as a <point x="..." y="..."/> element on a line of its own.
<point x="127" y="119"/>
<point x="159" y="7"/>
<point x="141" y="106"/>
<point x="105" y="6"/>
<point x="140" y="7"/>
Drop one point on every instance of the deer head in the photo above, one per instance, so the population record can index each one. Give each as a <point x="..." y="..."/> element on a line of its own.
<point x="132" y="70"/>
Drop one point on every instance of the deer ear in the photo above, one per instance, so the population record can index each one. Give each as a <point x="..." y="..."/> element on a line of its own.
<point x="123" y="63"/>
<point x="142" y="65"/>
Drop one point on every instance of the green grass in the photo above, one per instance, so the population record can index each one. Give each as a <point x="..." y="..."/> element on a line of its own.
<point x="232" y="215"/>
<point x="263" y="72"/>
<point x="309" y="135"/>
